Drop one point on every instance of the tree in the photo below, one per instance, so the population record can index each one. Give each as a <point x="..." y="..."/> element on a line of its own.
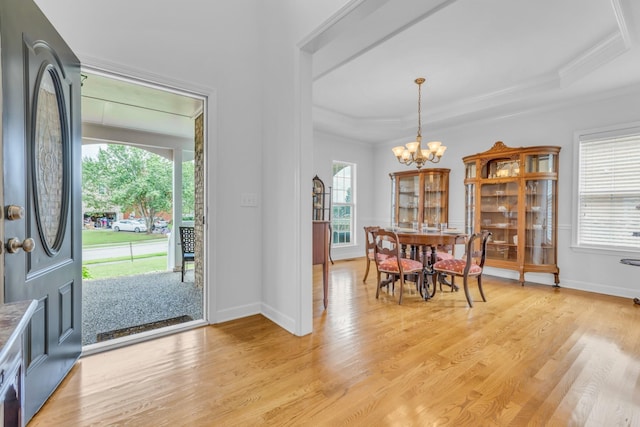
<point x="129" y="178"/>
<point x="95" y="193"/>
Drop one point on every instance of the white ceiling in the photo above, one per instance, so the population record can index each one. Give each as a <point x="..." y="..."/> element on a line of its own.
<point x="480" y="58"/>
<point x="112" y="102"/>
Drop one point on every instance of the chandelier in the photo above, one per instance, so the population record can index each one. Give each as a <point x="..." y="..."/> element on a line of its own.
<point x="413" y="152"/>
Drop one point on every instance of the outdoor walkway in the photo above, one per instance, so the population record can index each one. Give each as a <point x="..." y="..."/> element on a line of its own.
<point x="117" y="303"/>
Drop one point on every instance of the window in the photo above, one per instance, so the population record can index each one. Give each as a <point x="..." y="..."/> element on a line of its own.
<point x="343" y="203"/>
<point x="609" y="190"/>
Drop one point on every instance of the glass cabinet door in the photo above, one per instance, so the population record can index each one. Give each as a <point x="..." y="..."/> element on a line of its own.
<point x="470" y="170"/>
<point x="540" y="209"/>
<point x="544" y="163"/>
<point x="470" y="208"/>
<point x="408" y="200"/>
<point x="499" y="214"/>
<point x="433" y="205"/>
<point x="394" y="200"/>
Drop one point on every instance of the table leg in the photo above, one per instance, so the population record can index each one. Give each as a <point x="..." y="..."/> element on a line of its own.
<point x="425" y="260"/>
<point x="434" y="256"/>
<point x="427" y="277"/>
<point x="325" y="282"/>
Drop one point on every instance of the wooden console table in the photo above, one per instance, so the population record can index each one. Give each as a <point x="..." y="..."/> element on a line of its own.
<point x="14" y="318"/>
<point x="321" y="239"/>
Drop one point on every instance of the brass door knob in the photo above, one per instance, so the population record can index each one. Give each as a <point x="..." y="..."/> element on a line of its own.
<point x="14" y="245"/>
<point x="15" y="212"/>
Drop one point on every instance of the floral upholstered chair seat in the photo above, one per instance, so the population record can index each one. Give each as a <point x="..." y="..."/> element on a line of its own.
<point x="390" y="264"/>
<point x="470" y="265"/>
<point x="456" y="266"/>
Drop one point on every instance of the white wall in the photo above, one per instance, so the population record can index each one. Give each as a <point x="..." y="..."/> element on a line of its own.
<point x="326" y="149"/>
<point x="243" y="54"/>
<point x="592" y="271"/>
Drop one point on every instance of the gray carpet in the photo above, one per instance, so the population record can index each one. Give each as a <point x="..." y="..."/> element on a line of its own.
<point x="112" y="304"/>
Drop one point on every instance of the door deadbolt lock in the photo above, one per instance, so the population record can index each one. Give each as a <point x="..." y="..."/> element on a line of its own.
<point x="14" y="245"/>
<point x="15" y="212"/>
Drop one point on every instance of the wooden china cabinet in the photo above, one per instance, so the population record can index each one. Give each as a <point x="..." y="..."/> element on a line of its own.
<point x="420" y="196"/>
<point x="322" y="232"/>
<point x="513" y="192"/>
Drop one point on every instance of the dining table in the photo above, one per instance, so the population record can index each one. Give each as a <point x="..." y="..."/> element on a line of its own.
<point x="426" y="243"/>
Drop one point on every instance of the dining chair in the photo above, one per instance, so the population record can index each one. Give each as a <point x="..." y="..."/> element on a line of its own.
<point x="388" y="260"/>
<point x="470" y="265"/>
<point x="188" y="246"/>
<point x="370" y="243"/>
<point x="446" y="252"/>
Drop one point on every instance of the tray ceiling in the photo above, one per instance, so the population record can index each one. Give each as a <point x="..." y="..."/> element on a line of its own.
<point x="480" y="58"/>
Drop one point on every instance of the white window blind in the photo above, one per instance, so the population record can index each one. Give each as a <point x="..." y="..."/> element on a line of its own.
<point x="609" y="192"/>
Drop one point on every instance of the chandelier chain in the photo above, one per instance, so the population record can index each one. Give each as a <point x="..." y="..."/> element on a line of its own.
<point x="419" y="108"/>
<point x="412" y="152"/>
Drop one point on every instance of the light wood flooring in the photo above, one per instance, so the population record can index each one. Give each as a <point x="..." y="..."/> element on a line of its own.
<point x="532" y="355"/>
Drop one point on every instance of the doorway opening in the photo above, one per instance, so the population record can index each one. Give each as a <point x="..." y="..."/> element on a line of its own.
<point x="143" y="181"/>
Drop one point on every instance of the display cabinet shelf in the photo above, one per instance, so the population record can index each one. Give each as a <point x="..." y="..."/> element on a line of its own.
<point x="420" y="197"/>
<point x="513" y="192"/>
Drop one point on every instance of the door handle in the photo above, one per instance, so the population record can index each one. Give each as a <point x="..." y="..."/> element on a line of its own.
<point x="15" y="212"/>
<point x="14" y="245"/>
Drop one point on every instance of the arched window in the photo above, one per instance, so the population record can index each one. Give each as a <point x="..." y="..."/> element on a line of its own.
<point x="343" y="203"/>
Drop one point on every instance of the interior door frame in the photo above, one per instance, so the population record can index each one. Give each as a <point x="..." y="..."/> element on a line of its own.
<point x="2" y="301"/>
<point x="209" y="99"/>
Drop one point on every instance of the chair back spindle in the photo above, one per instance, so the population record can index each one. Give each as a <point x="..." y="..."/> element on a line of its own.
<point x="188" y="246"/>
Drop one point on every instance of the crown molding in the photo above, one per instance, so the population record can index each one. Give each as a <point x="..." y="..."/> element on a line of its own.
<point x="383" y="132"/>
<point x="520" y="97"/>
<point x="363" y="129"/>
<point x="601" y="53"/>
<point x="529" y="95"/>
<point x="598" y="55"/>
<point x="541" y="106"/>
<point x="529" y="89"/>
<point x="621" y="10"/>
<point x="368" y="29"/>
<point x="349" y="15"/>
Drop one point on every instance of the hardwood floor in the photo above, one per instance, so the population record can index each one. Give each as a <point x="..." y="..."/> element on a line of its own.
<point x="531" y="355"/>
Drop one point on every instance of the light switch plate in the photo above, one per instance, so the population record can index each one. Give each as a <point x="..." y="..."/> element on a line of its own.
<point x="249" y="200"/>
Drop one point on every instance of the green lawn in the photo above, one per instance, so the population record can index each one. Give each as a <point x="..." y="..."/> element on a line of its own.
<point x="127" y="268"/>
<point x="124" y="258"/>
<point x="105" y="237"/>
<point x="121" y="266"/>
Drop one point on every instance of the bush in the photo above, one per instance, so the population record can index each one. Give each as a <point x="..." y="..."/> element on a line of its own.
<point x="85" y="273"/>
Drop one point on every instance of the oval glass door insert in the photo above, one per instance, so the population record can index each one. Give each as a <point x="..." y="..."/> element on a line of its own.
<point x="49" y="161"/>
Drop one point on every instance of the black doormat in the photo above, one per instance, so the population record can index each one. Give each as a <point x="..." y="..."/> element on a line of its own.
<point x="105" y="336"/>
